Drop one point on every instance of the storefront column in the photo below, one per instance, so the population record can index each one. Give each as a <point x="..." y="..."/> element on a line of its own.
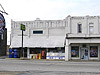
<point x="67" y="51"/>
<point x="99" y="52"/>
<point x="28" y="53"/>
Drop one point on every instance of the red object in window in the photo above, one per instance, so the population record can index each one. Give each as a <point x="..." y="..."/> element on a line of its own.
<point x="37" y="56"/>
<point x="42" y="53"/>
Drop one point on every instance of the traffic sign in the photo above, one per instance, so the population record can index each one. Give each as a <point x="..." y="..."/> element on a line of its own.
<point x="23" y="27"/>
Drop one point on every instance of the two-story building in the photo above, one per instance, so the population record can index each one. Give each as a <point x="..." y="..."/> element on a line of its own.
<point x="83" y="38"/>
<point x="78" y="37"/>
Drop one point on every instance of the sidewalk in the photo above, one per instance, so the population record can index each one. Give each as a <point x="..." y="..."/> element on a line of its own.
<point x="3" y="57"/>
<point x="7" y="57"/>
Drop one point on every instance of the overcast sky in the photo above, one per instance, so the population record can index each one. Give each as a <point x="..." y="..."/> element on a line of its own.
<point x="28" y="10"/>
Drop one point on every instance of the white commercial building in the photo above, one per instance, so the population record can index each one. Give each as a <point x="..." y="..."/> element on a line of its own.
<point x="77" y="37"/>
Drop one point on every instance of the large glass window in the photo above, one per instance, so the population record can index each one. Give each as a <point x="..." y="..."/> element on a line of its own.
<point x="93" y="51"/>
<point x="75" y="51"/>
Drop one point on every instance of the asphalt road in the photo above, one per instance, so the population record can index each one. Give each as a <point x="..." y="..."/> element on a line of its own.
<point x="43" y="67"/>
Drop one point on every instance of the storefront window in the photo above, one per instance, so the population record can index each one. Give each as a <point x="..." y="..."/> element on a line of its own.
<point x="75" y="51"/>
<point x="93" y="51"/>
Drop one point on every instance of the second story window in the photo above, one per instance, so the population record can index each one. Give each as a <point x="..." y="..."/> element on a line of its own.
<point x="91" y="29"/>
<point x="38" y="32"/>
<point x="79" y="28"/>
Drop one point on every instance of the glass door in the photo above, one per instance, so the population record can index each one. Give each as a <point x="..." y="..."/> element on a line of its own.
<point x="84" y="53"/>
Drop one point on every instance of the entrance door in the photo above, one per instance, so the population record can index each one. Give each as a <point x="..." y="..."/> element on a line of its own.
<point x="84" y="53"/>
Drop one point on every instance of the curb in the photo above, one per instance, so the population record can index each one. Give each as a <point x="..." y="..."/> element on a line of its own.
<point x="36" y="59"/>
<point x="13" y="58"/>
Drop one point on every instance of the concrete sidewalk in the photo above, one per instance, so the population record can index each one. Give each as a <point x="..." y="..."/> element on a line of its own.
<point x="4" y="57"/>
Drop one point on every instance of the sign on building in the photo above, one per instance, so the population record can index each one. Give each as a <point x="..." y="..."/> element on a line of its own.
<point x="2" y="24"/>
<point x="22" y="27"/>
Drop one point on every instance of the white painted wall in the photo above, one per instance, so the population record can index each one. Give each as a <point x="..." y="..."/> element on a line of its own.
<point x="85" y="21"/>
<point x="53" y="33"/>
<point x="55" y="28"/>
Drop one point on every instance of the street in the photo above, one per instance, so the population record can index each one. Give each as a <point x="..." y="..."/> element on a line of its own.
<point x="43" y="67"/>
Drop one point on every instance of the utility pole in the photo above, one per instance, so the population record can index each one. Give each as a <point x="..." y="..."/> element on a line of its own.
<point x="23" y="29"/>
<point x="22" y="44"/>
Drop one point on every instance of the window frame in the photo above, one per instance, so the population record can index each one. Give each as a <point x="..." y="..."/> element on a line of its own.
<point x="92" y="55"/>
<point x="37" y="31"/>
<point x="75" y="50"/>
<point x="79" y="28"/>
<point x="91" y="32"/>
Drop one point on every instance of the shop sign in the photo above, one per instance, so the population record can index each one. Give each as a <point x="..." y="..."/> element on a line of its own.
<point x="2" y="24"/>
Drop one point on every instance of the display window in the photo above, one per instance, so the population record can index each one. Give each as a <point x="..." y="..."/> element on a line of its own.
<point x="75" y="51"/>
<point x="93" y="51"/>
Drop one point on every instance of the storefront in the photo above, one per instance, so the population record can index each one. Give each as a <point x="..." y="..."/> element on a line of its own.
<point x="37" y="53"/>
<point x="56" y="53"/>
<point x="47" y="53"/>
<point x="85" y="51"/>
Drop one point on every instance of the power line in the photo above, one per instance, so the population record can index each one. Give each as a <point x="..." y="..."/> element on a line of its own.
<point x="3" y="10"/>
